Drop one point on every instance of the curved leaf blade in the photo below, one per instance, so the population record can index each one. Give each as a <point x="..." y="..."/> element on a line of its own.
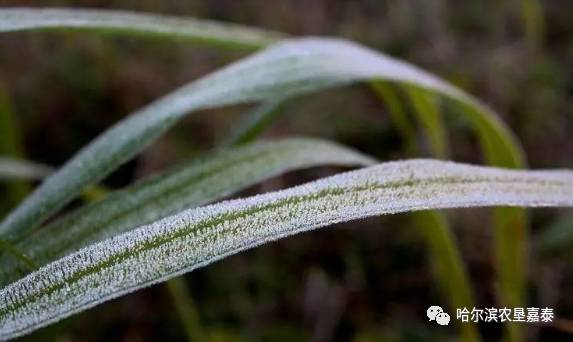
<point x="430" y="117"/>
<point x="11" y="168"/>
<point x="289" y="68"/>
<point x="197" y="237"/>
<point x="198" y="30"/>
<point x="206" y="179"/>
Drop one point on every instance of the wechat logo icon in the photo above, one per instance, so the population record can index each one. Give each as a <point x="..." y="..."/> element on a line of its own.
<point x="436" y="313"/>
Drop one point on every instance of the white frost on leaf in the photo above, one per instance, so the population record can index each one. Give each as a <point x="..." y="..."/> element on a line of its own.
<point x="203" y="180"/>
<point x="291" y="67"/>
<point x="197" y="237"/>
<point x="17" y="19"/>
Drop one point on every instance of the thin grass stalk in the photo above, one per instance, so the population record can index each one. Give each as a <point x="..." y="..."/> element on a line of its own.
<point x="254" y="123"/>
<point x="510" y="225"/>
<point x="430" y="117"/>
<point x="406" y="128"/>
<point x="511" y="238"/>
<point x="446" y="256"/>
<point x="450" y="272"/>
<point x="448" y="265"/>
<point x="11" y="145"/>
<point x="186" y="309"/>
<point x="533" y="22"/>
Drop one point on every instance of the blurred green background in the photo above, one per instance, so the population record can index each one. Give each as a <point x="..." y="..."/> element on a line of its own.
<point x="361" y="281"/>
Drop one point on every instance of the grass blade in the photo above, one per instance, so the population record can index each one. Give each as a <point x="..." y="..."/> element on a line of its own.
<point x="185" y="307"/>
<point x="290" y="68"/>
<point x="196" y="30"/>
<point x="204" y="180"/>
<point x="510" y="224"/>
<point x="429" y="115"/>
<point x="255" y="122"/>
<point x="444" y="253"/>
<point x="197" y="237"/>
<point x="11" y="168"/>
<point x="11" y="142"/>
<point x="391" y="98"/>
<point x="451" y="274"/>
<point x="10" y="145"/>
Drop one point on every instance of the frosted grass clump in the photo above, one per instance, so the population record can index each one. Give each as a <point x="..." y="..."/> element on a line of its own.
<point x="197" y="237"/>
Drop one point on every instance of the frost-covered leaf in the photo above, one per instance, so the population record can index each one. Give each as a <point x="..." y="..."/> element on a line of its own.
<point x="203" y="180"/>
<point x="197" y="237"/>
<point x="199" y="30"/>
<point x="11" y="168"/>
<point x="289" y="68"/>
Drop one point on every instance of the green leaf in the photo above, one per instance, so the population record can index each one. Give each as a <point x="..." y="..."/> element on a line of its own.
<point x="10" y="146"/>
<point x="500" y="148"/>
<point x="390" y="97"/>
<point x="197" y="237"/>
<point x="186" y="309"/>
<point x="429" y="115"/>
<point x="451" y="274"/>
<point x="289" y="68"/>
<point x="201" y="181"/>
<point x="444" y="253"/>
<point x="11" y="141"/>
<point x="255" y="122"/>
<point x="196" y="30"/>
